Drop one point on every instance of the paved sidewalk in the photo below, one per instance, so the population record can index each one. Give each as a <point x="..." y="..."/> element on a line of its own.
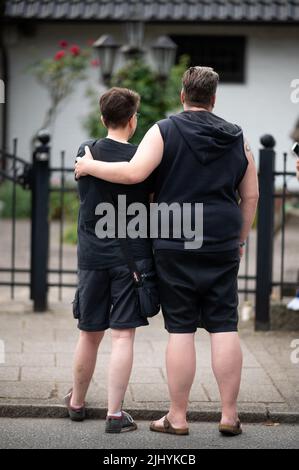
<point x="38" y="360"/>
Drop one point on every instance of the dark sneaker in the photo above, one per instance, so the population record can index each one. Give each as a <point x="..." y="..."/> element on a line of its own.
<point x="124" y="423"/>
<point x="76" y="414"/>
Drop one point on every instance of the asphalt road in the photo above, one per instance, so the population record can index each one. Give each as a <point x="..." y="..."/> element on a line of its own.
<point x="26" y="433"/>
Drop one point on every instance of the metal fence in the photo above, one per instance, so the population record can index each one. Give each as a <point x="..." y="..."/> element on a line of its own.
<point x="18" y="172"/>
<point x="286" y="287"/>
<point x="256" y="280"/>
<point x="61" y="189"/>
<point x="267" y="230"/>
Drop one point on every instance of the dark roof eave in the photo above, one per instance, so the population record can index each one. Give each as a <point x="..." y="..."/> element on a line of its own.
<point x="156" y="11"/>
<point x="246" y="22"/>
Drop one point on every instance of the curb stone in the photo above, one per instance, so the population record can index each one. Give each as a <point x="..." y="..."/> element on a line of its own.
<point x="59" y="411"/>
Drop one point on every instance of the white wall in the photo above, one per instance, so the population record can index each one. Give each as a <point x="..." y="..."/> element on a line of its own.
<point x="261" y="105"/>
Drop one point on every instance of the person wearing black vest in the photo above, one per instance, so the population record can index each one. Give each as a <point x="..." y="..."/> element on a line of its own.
<point x="198" y="157"/>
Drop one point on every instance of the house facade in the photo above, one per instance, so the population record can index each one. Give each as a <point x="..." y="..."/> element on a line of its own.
<point x="254" y="45"/>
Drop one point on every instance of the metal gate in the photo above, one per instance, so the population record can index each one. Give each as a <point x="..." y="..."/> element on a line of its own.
<point x="18" y="172"/>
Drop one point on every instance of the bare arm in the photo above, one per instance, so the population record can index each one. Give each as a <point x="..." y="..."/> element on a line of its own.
<point x="249" y="194"/>
<point x="146" y="159"/>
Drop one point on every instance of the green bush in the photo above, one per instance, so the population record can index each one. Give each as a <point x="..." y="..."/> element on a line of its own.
<point x="23" y="203"/>
<point x="70" y="234"/>
<point x="70" y="205"/>
<point x="157" y="97"/>
<point x="23" y="200"/>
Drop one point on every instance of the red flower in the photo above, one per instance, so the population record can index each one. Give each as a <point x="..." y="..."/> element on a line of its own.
<point x="63" y="43"/>
<point x="75" y="50"/>
<point x="59" y="55"/>
<point x="95" y="62"/>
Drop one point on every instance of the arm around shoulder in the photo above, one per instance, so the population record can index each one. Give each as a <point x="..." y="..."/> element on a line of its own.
<point x="146" y="159"/>
<point x="148" y="156"/>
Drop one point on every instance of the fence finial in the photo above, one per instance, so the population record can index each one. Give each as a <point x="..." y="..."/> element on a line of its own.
<point x="44" y="136"/>
<point x="268" y="141"/>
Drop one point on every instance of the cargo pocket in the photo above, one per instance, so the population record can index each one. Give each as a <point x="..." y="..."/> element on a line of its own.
<point x="76" y="310"/>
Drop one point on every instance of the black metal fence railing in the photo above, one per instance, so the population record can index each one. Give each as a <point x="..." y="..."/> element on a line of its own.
<point x="18" y="172"/>
<point x="267" y="228"/>
<point x="60" y="271"/>
<point x="286" y="287"/>
<point x="256" y="278"/>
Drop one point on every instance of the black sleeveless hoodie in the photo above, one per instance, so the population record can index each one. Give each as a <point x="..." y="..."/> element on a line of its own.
<point x="203" y="161"/>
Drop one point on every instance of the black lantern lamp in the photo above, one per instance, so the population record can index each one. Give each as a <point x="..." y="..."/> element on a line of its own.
<point x="164" y="52"/>
<point x="107" y="48"/>
<point x="134" y="31"/>
<point x="163" y="49"/>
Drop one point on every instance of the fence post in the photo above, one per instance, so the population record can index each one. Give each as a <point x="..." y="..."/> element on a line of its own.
<point x="39" y="222"/>
<point x="265" y="230"/>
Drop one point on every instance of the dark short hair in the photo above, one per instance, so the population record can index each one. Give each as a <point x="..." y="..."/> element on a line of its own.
<point x="199" y="85"/>
<point x="118" y="105"/>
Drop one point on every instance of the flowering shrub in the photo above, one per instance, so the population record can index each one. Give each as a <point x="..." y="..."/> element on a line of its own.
<point x="60" y="73"/>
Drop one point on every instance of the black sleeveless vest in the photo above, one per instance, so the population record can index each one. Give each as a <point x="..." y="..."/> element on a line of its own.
<point x="204" y="162"/>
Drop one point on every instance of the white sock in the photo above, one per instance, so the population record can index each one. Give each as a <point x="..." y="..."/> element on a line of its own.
<point x="117" y="415"/>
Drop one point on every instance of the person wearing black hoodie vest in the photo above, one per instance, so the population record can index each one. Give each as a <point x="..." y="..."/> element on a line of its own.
<point x="199" y="158"/>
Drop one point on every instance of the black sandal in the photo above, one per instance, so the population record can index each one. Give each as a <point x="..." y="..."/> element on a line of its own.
<point x="229" y="430"/>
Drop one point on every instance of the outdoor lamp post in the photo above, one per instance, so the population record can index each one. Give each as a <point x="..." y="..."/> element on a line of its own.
<point x="134" y="31"/>
<point x="163" y="50"/>
<point x="107" y="48"/>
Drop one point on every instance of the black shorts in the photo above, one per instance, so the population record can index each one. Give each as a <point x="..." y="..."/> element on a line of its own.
<point x="106" y="298"/>
<point x="198" y="289"/>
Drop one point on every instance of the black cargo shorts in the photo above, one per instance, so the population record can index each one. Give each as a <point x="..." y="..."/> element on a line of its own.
<point x="107" y="298"/>
<point x="198" y="289"/>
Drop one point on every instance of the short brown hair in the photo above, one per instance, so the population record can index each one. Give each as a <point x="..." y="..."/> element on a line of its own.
<point x="199" y="85"/>
<point x="118" y="105"/>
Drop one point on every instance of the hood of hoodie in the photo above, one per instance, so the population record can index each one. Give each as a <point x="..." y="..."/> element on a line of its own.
<point x="208" y="136"/>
